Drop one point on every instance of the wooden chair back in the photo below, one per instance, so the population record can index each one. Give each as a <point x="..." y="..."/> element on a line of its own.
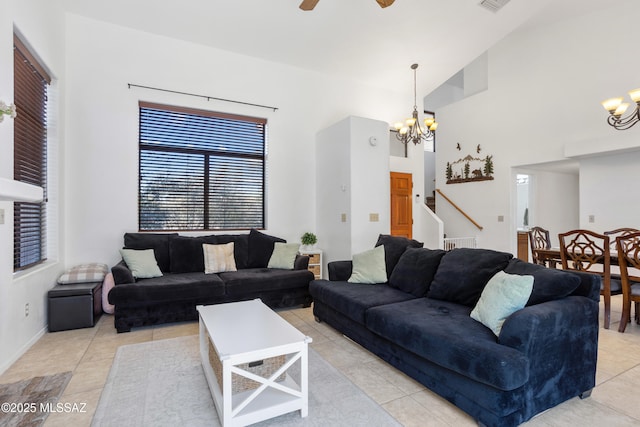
<point x="538" y="239"/>
<point x="589" y="252"/>
<point x="628" y="248"/>
<point x="619" y="232"/>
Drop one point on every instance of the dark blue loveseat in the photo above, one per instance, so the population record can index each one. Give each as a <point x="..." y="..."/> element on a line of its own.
<point x="419" y="322"/>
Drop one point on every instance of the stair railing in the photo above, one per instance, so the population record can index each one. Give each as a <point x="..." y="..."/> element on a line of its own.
<point x="459" y="209"/>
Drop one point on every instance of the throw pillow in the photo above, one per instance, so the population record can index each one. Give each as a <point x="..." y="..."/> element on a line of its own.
<point x="548" y="284"/>
<point x="464" y="272"/>
<point x="261" y="248"/>
<point x="415" y="270"/>
<point x="107" y="285"/>
<point x="218" y="258"/>
<point x="186" y="254"/>
<point x="394" y="247"/>
<point x="504" y="295"/>
<point x="284" y="255"/>
<point x="83" y="273"/>
<point x="141" y="262"/>
<point x="240" y="245"/>
<point x="159" y="242"/>
<point x="369" y="267"/>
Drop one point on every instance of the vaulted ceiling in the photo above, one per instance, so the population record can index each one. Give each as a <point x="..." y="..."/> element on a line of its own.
<point x="351" y="39"/>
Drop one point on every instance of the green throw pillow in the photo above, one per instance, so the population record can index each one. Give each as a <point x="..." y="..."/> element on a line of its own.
<point x="284" y="255"/>
<point x="369" y="267"/>
<point x="504" y="295"/>
<point x="141" y="262"/>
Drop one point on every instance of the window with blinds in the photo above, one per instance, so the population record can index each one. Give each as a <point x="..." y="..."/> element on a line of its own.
<point x="30" y="155"/>
<point x="200" y="170"/>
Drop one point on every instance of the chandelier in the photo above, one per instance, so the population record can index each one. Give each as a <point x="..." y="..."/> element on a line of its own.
<point x="411" y="130"/>
<point x="617" y="108"/>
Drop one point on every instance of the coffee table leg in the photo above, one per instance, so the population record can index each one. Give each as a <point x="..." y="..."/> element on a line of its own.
<point x="304" y="381"/>
<point x="227" y="393"/>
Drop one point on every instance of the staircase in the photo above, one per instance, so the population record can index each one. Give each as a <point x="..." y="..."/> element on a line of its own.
<point x="431" y="202"/>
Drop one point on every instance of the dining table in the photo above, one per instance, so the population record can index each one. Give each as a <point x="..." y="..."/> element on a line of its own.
<point x="552" y="255"/>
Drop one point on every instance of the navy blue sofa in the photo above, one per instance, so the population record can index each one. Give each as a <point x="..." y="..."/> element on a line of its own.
<point x="173" y="297"/>
<point x="419" y="322"/>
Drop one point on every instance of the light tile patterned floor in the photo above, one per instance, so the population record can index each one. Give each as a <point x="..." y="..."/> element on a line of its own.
<point x="89" y="354"/>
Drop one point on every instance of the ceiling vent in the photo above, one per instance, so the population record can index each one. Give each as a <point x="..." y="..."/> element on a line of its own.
<point x="493" y="5"/>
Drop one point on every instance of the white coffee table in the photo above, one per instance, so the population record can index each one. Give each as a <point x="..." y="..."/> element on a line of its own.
<point x="249" y="332"/>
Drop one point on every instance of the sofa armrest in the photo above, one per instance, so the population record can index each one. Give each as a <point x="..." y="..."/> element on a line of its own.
<point x="340" y="270"/>
<point x="122" y="274"/>
<point x="301" y="262"/>
<point x="560" y="338"/>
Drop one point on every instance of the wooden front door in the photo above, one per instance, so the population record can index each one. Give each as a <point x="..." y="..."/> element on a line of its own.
<point x="401" y="204"/>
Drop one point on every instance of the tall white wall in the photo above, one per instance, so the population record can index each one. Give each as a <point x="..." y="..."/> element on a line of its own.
<point x="42" y="27"/>
<point x="609" y="192"/>
<point x="102" y="154"/>
<point x="533" y="109"/>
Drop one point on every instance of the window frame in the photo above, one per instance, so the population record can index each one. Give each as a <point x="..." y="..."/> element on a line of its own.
<point x="205" y="171"/>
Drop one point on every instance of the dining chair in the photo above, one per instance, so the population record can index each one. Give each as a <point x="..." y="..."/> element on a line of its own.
<point x="618" y="232"/>
<point x="628" y="248"/>
<point x="539" y="239"/>
<point x="590" y="252"/>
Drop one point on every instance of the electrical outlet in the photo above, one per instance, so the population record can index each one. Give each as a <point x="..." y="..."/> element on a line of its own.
<point x="26" y="310"/>
<point x="592" y="219"/>
<point x="500" y="218"/>
<point x="343" y="217"/>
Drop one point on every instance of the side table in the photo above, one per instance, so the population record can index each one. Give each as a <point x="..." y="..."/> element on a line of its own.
<point x="315" y="261"/>
<point x="74" y="306"/>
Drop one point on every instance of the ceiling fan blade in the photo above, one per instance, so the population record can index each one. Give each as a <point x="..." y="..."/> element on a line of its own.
<point x="308" y="4"/>
<point x="385" y="3"/>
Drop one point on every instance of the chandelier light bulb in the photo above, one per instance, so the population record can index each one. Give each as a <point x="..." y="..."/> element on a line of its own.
<point x="635" y="95"/>
<point x="617" y="108"/>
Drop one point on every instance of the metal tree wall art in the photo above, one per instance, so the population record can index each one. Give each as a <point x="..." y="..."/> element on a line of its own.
<point x="470" y="169"/>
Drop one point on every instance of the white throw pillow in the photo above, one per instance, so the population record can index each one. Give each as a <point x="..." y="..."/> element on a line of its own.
<point x="284" y="255"/>
<point x="504" y="295"/>
<point x="369" y="267"/>
<point x="219" y="258"/>
<point x="141" y="262"/>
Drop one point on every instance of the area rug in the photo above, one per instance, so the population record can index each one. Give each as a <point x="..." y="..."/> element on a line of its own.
<point x="161" y="383"/>
<point x="29" y="402"/>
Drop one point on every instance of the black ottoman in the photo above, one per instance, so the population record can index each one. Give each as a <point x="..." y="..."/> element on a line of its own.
<point x="74" y="306"/>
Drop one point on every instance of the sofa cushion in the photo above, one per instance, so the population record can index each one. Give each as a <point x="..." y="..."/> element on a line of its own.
<point x="354" y="299"/>
<point x="504" y="295"/>
<point x="170" y="287"/>
<point x="218" y="258"/>
<point x="240" y="246"/>
<point x="464" y="272"/>
<point x="158" y="242"/>
<point x="394" y="247"/>
<point x="369" y="267"/>
<point x="261" y="248"/>
<point x="443" y="333"/>
<point x="186" y="254"/>
<point x="548" y="284"/>
<point x="252" y="280"/>
<point x="284" y="255"/>
<point x="141" y="262"/>
<point x="415" y="270"/>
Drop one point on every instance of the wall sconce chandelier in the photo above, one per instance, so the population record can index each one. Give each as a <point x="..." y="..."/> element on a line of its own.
<point x="617" y="108"/>
<point x="410" y="130"/>
<point x="7" y="110"/>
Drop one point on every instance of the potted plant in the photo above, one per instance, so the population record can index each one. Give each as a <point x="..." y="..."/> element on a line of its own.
<point x="308" y="240"/>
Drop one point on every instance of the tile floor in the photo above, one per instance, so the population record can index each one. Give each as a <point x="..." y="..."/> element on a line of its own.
<point x="89" y="354"/>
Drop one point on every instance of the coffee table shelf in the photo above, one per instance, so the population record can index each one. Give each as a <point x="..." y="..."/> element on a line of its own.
<point x="242" y="334"/>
